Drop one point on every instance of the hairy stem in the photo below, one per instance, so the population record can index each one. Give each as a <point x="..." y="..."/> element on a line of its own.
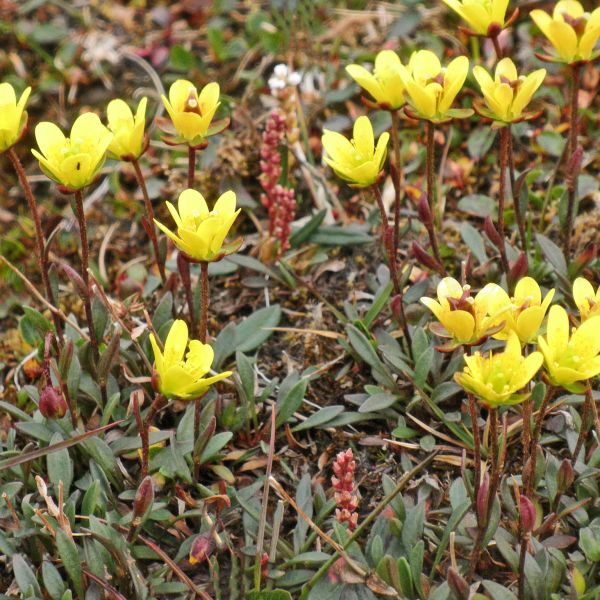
<point x="430" y="168"/>
<point x="87" y="300"/>
<point x="572" y="145"/>
<point x="191" y="166"/>
<point x="184" y="271"/>
<point x="516" y="201"/>
<point x="40" y="240"/>
<point x="396" y="176"/>
<point x="504" y="150"/>
<point x="585" y="420"/>
<point x="150" y="216"/>
<point x="476" y="445"/>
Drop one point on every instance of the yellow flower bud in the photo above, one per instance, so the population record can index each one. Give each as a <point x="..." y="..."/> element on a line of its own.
<point x="75" y="161"/>
<point x="484" y="17"/>
<point x="572" y="32"/>
<point x="181" y="374"/>
<point x="586" y="299"/>
<point x="128" y="131"/>
<point x="191" y="113"/>
<point x="358" y="161"/>
<point x="200" y="232"/>
<point x="507" y="95"/>
<point x="523" y="313"/>
<point x="570" y="359"/>
<point x="384" y="84"/>
<point x="466" y="319"/>
<point x="431" y="88"/>
<point x="497" y="378"/>
<point x="13" y="116"/>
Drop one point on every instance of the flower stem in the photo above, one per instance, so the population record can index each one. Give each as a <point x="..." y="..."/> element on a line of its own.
<point x="516" y="200"/>
<point x="387" y="240"/>
<point x="504" y="151"/>
<point x="150" y="216"/>
<point x="529" y="474"/>
<point x="585" y="420"/>
<point x="144" y="427"/>
<point x="184" y="271"/>
<point x="476" y="445"/>
<point x="87" y="301"/>
<point x="39" y="235"/>
<point x="204" y="302"/>
<point x="430" y="168"/>
<point x="396" y="176"/>
<point x="497" y="47"/>
<point x="572" y="145"/>
<point x="191" y="166"/>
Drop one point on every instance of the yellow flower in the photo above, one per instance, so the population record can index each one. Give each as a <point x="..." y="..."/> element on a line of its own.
<point x="572" y="31"/>
<point x="507" y="94"/>
<point x="497" y="378"/>
<point x="384" y="84"/>
<point x="485" y="17"/>
<point x="431" y="88"/>
<point x="13" y="116"/>
<point x="358" y="161"/>
<point x="200" y="232"/>
<point x="587" y="301"/>
<point x="128" y="131"/>
<point x="181" y="375"/>
<point x="75" y="161"/>
<point x="523" y="313"/>
<point x="191" y="113"/>
<point x="570" y="359"/>
<point x="465" y="318"/>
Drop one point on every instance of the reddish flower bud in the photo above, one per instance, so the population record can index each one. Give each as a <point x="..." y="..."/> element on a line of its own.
<point x="201" y="549"/>
<point x="144" y="499"/>
<point x="527" y="512"/>
<point x="396" y="306"/>
<point x="492" y="232"/>
<point x="52" y="403"/>
<point x="565" y="476"/>
<point x="587" y="256"/>
<point x="519" y="268"/>
<point x="457" y="584"/>
<point x="482" y="496"/>
<point x="426" y="259"/>
<point x="424" y="211"/>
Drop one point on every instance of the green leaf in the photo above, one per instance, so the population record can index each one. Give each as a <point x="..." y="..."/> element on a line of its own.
<point x="215" y="445"/>
<point x="272" y="595"/>
<point x="252" y="332"/>
<point x="60" y="466"/>
<point x="53" y="581"/>
<point x="480" y="141"/>
<point x="304" y="233"/>
<point x="472" y="238"/>
<point x="378" y="304"/>
<point x="33" y="326"/>
<point x="320" y="418"/>
<point x="25" y="576"/>
<point x="378" y="402"/>
<point x="553" y="253"/>
<point x="289" y="403"/>
<point x="552" y="143"/>
<point x="332" y="235"/>
<point x="478" y="205"/>
<point x="69" y="554"/>
<point x="497" y="591"/>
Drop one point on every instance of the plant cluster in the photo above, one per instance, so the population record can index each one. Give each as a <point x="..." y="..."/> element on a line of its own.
<point x="149" y="451"/>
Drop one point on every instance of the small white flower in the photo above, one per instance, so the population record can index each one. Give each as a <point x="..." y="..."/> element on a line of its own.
<point x="281" y="71"/>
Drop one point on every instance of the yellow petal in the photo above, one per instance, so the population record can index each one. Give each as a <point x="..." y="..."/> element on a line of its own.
<point x="588" y="41"/>
<point x="558" y="329"/>
<point x="499" y="11"/>
<point x="583" y="292"/>
<point x="48" y="137"/>
<point x="339" y="148"/>
<point x="482" y="77"/>
<point x="459" y="323"/>
<point x="569" y="7"/>
<point x="564" y="39"/>
<point x="366" y="81"/>
<point x="454" y="78"/>
<point x="7" y="94"/>
<point x="191" y="205"/>
<point x="506" y="68"/>
<point x="158" y="357"/>
<point x="448" y="287"/>
<point x="225" y="205"/>
<point x="179" y="93"/>
<point x="529" y="323"/>
<point x="526" y="90"/>
<point x="363" y="137"/>
<point x="477" y="17"/>
<point x="586" y="338"/>
<point x="199" y="358"/>
<point x="381" y="150"/>
<point x="424" y="64"/>
<point x="176" y="343"/>
<point x="528" y="290"/>
<point x="209" y="100"/>
<point x="119" y="115"/>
